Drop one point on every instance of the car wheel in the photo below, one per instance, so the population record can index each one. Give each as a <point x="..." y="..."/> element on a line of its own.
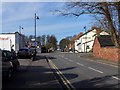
<point x="17" y="66"/>
<point x="9" y="74"/>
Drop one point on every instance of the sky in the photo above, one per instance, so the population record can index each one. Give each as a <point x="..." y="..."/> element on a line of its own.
<point x="15" y="14"/>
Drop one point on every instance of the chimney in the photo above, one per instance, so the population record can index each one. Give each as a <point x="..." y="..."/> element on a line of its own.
<point x="97" y="30"/>
<point x="94" y="27"/>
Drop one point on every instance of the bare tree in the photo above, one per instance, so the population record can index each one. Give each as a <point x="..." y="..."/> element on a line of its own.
<point x="105" y="9"/>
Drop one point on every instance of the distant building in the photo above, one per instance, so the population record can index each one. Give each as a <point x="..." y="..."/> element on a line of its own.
<point x="15" y="41"/>
<point x="85" y="42"/>
<point x="72" y="45"/>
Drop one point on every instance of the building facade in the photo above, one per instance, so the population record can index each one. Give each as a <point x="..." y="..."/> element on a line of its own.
<point x="85" y="42"/>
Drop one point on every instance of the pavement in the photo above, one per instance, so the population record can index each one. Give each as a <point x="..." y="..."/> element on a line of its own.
<point x="33" y="74"/>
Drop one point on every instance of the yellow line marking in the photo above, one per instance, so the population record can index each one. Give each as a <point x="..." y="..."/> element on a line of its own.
<point x="65" y="81"/>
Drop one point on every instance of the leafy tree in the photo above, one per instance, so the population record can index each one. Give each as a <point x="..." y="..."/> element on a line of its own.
<point x="30" y="37"/>
<point x="43" y="39"/>
<point x="51" y="42"/>
<point x="64" y="43"/>
<point x="39" y="40"/>
<point x="69" y="37"/>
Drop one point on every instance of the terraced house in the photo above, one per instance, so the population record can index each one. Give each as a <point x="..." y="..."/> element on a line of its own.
<point x="85" y="42"/>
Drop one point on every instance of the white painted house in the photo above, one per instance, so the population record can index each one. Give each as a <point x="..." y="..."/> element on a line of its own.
<point x="85" y="42"/>
<point x="14" y="40"/>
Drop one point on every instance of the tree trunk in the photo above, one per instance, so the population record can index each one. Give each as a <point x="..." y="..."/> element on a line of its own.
<point x="113" y="31"/>
<point x="118" y="9"/>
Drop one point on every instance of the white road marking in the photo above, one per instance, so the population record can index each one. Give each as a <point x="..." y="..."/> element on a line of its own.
<point x="115" y="77"/>
<point x="70" y="60"/>
<point x="66" y="58"/>
<point x="102" y="63"/>
<point x="95" y="70"/>
<point x="80" y="64"/>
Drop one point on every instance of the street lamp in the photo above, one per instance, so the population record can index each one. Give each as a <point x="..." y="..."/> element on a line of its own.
<point x="36" y="17"/>
<point x="20" y="27"/>
<point x="85" y="44"/>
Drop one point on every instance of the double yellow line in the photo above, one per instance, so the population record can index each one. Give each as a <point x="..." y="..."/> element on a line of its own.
<point x="66" y="82"/>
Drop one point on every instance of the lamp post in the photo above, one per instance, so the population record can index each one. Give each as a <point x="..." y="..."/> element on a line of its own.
<point x="36" y="17"/>
<point x="20" y="27"/>
<point x="85" y="44"/>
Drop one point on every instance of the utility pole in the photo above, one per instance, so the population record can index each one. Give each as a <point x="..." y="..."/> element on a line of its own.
<point x="85" y="44"/>
<point x="36" y="17"/>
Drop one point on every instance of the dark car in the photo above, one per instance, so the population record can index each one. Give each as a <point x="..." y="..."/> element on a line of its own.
<point x="10" y="63"/>
<point x="33" y="51"/>
<point x="24" y="52"/>
<point x="43" y="49"/>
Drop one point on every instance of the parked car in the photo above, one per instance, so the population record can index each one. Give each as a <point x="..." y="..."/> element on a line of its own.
<point x="24" y="52"/>
<point x="10" y="63"/>
<point x="33" y="51"/>
<point x="44" y="49"/>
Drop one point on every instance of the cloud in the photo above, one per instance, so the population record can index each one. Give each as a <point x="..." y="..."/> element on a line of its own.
<point x="59" y="27"/>
<point x="20" y="11"/>
<point x="35" y="0"/>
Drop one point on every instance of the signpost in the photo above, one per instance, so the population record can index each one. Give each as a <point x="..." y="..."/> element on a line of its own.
<point x="35" y="43"/>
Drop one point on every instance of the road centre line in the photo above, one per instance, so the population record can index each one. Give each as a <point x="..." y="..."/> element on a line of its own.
<point x="66" y="58"/>
<point x="115" y="77"/>
<point x="70" y="60"/>
<point x="102" y="63"/>
<point x="95" y="70"/>
<point x="80" y="64"/>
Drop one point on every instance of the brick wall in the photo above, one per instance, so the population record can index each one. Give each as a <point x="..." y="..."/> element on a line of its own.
<point x="108" y="53"/>
<point x="96" y="48"/>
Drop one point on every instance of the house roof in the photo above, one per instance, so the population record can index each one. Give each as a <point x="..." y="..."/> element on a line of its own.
<point x="105" y="40"/>
<point x="12" y="33"/>
<point x="76" y="37"/>
<point x="97" y="31"/>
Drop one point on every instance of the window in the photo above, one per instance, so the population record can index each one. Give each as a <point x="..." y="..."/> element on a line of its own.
<point x="88" y="47"/>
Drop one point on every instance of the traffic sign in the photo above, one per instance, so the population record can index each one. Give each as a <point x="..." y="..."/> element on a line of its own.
<point x="35" y="43"/>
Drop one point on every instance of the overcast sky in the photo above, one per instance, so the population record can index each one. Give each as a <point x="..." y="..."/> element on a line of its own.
<point x="15" y="14"/>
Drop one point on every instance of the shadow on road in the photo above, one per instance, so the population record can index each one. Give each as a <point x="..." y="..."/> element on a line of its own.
<point x="35" y="77"/>
<point x="40" y="57"/>
<point x="32" y="77"/>
<point x="67" y="68"/>
<point x="97" y="82"/>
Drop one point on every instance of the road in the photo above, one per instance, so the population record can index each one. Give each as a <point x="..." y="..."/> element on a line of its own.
<point x="85" y="73"/>
<point x="76" y="71"/>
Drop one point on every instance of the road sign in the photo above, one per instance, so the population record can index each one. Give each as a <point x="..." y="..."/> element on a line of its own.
<point x="35" y="43"/>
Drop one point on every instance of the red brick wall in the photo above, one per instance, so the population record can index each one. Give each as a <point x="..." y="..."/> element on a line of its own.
<point x="96" y="48"/>
<point x="108" y="53"/>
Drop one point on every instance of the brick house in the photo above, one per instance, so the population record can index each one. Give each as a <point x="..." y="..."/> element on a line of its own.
<point x="104" y="48"/>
